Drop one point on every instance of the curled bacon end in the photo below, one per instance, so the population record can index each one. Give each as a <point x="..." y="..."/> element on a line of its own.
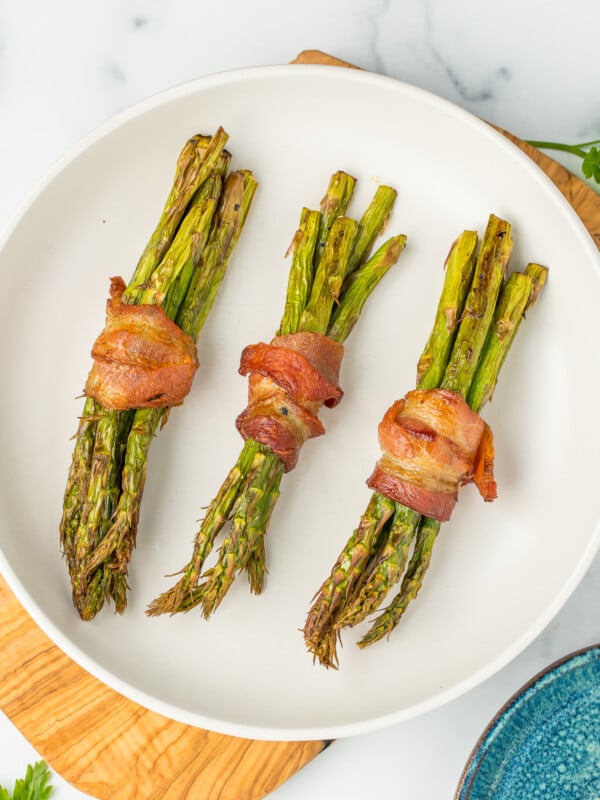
<point x="433" y="444"/>
<point x="305" y="364"/>
<point x="142" y="359"/>
<point x="483" y="477"/>
<point x="290" y="379"/>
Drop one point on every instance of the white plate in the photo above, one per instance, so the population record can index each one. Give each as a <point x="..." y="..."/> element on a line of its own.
<point x="499" y="572"/>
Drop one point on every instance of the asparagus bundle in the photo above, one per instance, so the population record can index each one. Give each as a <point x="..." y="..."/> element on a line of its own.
<point x="478" y="315"/>
<point x="331" y="276"/>
<point x="180" y="269"/>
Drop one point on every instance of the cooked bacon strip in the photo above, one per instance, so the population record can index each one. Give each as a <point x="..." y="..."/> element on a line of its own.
<point x="142" y="359"/>
<point x="433" y="444"/>
<point x="290" y="379"/>
<point x="483" y="477"/>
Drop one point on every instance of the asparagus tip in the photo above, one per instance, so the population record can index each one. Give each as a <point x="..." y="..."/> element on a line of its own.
<point x="324" y="649"/>
<point x="169" y="602"/>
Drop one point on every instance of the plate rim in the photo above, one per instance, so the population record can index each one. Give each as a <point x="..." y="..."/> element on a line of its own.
<point x="337" y="730"/>
<point x="180" y="89"/>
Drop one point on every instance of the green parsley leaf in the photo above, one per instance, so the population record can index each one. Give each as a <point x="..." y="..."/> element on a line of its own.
<point x="590" y="166"/>
<point x="34" y="786"/>
<point x="586" y="151"/>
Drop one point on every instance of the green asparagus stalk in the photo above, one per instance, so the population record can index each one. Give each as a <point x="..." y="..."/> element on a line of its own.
<point x="360" y="285"/>
<point x="301" y="271"/>
<point x="162" y="275"/>
<point x="519" y="293"/>
<point x="459" y="268"/>
<point x="389" y="554"/>
<point x="371" y="225"/>
<point x="199" y="158"/>
<point x="315" y="297"/>
<point x="327" y="283"/>
<point x="186" y="593"/>
<point x="262" y="492"/>
<point x="77" y="481"/>
<point x="190" y="174"/>
<point x="354" y="296"/>
<point x="333" y="600"/>
<point x="514" y="301"/>
<point x="205" y="268"/>
<point x="255" y="505"/>
<point x="426" y="532"/>
<point x="334" y="203"/>
<point x="479" y="307"/>
<point x="112" y="427"/>
<point x="375" y="554"/>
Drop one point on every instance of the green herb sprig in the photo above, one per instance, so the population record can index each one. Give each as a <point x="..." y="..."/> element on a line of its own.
<point x="34" y="786"/>
<point x="588" y="152"/>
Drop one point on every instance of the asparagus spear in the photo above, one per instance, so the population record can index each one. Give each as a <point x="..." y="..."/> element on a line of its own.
<point x="334" y="203"/>
<point x="186" y="594"/>
<point x="164" y="274"/>
<point x="112" y="427"/>
<point x="77" y="481"/>
<point x="388" y="555"/>
<point x="426" y="533"/>
<point x="200" y="157"/>
<point x="334" y="596"/>
<point x="459" y="268"/>
<point x="301" y="271"/>
<point x="264" y="489"/>
<point x="375" y="556"/>
<point x="189" y="176"/>
<point x="113" y="553"/>
<point x="372" y="224"/>
<point x="518" y="295"/>
<point x="249" y="493"/>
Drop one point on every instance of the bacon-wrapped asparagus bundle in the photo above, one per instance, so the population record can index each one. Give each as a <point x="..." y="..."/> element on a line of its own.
<point x="290" y="378"/>
<point x="478" y="314"/>
<point x="144" y="362"/>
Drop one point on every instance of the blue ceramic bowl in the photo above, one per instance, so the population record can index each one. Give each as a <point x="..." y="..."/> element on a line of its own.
<point x="545" y="742"/>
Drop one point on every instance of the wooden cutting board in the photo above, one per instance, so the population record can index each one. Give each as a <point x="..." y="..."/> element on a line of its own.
<point x="113" y="749"/>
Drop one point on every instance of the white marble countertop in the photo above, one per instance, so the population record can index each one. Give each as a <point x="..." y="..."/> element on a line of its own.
<point x="531" y="67"/>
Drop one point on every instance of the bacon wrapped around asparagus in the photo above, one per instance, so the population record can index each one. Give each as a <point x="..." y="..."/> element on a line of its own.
<point x="142" y="359"/>
<point x="144" y="363"/>
<point x="433" y="443"/>
<point x="290" y="379"/>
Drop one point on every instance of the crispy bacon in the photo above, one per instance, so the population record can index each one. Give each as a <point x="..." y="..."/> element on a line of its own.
<point x="142" y="359"/>
<point x="483" y="476"/>
<point x="290" y="379"/>
<point x="433" y="444"/>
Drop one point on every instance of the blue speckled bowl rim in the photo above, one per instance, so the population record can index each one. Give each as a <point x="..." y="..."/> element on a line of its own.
<point x="539" y="681"/>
